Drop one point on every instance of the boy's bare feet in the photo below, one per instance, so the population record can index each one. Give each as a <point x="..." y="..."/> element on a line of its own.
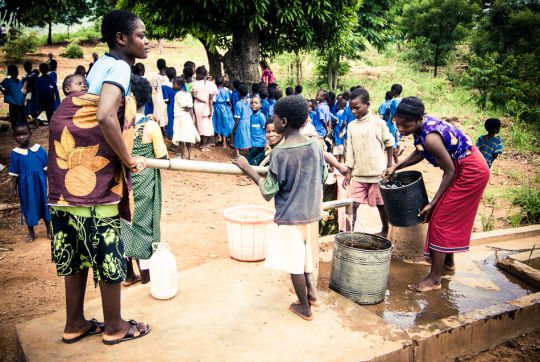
<point x="425" y="285"/>
<point x="301" y="311"/>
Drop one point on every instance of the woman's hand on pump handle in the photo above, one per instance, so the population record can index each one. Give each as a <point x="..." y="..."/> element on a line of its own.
<point x="137" y="164"/>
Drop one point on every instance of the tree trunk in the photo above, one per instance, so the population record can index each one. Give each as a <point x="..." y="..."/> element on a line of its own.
<point x="68" y="32"/>
<point x="242" y="59"/>
<point x="298" y="67"/>
<point x="49" y="37"/>
<point x="214" y="59"/>
<point x="436" y="62"/>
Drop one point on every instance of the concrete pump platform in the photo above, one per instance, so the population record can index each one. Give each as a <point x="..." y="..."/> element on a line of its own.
<point x="231" y="311"/>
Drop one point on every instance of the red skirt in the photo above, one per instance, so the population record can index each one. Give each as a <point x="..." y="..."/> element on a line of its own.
<point x="452" y="221"/>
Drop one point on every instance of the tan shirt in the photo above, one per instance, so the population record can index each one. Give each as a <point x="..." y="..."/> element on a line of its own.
<point x="367" y="140"/>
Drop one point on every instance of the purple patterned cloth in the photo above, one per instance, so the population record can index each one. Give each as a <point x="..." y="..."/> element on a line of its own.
<point x="455" y="141"/>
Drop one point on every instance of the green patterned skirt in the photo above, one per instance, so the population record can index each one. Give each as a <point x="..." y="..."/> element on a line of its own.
<point x="144" y="229"/>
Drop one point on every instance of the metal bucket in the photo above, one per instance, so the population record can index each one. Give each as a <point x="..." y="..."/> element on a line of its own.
<point x="403" y="203"/>
<point x="360" y="267"/>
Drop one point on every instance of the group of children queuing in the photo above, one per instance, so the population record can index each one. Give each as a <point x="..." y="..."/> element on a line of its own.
<point x="301" y="132"/>
<point x="37" y="92"/>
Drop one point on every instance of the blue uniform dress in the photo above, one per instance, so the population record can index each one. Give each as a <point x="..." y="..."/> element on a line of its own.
<point x="390" y="122"/>
<point x="46" y="91"/>
<point x="168" y="95"/>
<point x="29" y="165"/>
<point x="317" y="120"/>
<point x="54" y="78"/>
<point x="265" y="107"/>
<point x="235" y="97"/>
<point x="31" y="105"/>
<point x="222" y="117"/>
<point x="258" y="138"/>
<point x="271" y="104"/>
<point x="338" y="124"/>
<point x="242" y="137"/>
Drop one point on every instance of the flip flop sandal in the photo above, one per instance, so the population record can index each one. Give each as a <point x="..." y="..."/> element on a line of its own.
<point x="130" y="334"/>
<point x="300" y="314"/>
<point x="90" y="332"/>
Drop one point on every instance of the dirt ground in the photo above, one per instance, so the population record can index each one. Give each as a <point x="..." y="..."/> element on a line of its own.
<point x="193" y="225"/>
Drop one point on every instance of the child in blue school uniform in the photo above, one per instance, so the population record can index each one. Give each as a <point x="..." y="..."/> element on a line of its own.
<point x="257" y="120"/>
<point x="490" y="145"/>
<point x="339" y="130"/>
<point x="222" y="117"/>
<point x="168" y="96"/>
<point x="46" y="92"/>
<point x="265" y="104"/>
<point x="242" y="114"/>
<point x="235" y="96"/>
<point x="12" y="89"/>
<point x="27" y="168"/>
<point x="54" y="76"/>
<point x="384" y="108"/>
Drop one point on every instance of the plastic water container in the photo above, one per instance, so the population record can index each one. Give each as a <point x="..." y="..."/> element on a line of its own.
<point x="163" y="273"/>
<point x="248" y="231"/>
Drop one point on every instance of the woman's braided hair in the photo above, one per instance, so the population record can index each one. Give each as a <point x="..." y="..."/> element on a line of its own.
<point x="117" y="21"/>
<point x="410" y="108"/>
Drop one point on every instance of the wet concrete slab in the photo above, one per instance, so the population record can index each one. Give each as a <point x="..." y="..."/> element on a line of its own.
<point x="228" y="310"/>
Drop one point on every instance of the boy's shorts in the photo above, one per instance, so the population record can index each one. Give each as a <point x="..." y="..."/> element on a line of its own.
<point x="82" y="242"/>
<point x="366" y="193"/>
<point x="338" y="150"/>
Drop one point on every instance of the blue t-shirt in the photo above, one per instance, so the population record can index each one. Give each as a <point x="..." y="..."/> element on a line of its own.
<point x="256" y="127"/>
<point x="272" y="103"/>
<point x="109" y="69"/>
<point x="393" y="106"/>
<point x="13" y="91"/>
<point x="489" y="147"/>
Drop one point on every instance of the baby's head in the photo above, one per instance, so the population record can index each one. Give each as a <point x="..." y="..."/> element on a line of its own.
<point x="74" y="83"/>
<point x="255" y="104"/>
<point x="142" y="91"/>
<point x="290" y="112"/>
<point x="493" y="125"/>
<point x="388" y="96"/>
<point x="271" y="135"/>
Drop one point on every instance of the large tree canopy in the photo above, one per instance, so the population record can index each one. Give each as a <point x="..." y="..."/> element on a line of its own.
<point x="246" y="28"/>
<point x="47" y="12"/>
<point x="441" y="22"/>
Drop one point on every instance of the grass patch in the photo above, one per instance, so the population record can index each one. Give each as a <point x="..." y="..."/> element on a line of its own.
<point x="86" y="34"/>
<point x="527" y="199"/>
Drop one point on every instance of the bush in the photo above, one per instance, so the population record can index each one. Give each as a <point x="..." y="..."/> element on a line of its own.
<point x="19" y="45"/>
<point x="73" y="51"/>
<point x="419" y="52"/>
<point x="527" y="198"/>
